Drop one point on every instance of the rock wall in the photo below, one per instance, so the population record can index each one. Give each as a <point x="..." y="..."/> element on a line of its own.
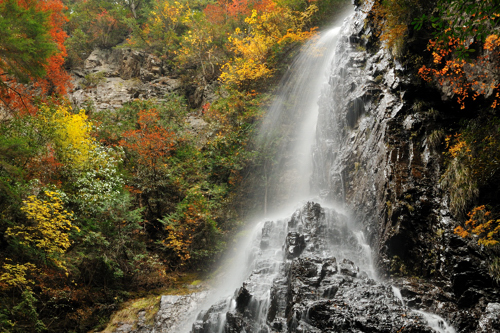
<point x="375" y="155"/>
<point x="110" y="78"/>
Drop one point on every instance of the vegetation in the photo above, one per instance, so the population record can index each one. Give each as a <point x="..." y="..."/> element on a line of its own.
<point x="31" y="46"/>
<point x="98" y="207"/>
<point x="463" y="62"/>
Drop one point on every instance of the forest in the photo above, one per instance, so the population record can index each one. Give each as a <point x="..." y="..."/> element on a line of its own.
<point x="101" y="206"/>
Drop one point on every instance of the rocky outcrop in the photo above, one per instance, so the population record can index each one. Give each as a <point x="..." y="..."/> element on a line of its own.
<point x="173" y="312"/>
<point x="311" y="291"/>
<point x="376" y="154"/>
<point x="110" y="78"/>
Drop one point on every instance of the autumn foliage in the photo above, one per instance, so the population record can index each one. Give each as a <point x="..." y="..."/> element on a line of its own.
<point x="480" y="223"/>
<point x="150" y="142"/>
<point x="19" y="82"/>
<point x="95" y="206"/>
<point x="392" y="19"/>
<point x="467" y="78"/>
<point x="49" y="227"/>
<point x="269" y="30"/>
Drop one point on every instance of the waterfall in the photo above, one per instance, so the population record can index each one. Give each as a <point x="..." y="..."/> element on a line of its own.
<point x="309" y="268"/>
<point x="288" y="130"/>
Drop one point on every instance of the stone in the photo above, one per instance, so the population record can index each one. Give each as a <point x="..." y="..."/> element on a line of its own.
<point x="128" y="75"/>
<point x="294" y="244"/>
<point x="490" y="319"/>
<point x="243" y="298"/>
<point x="348" y="268"/>
<point x="310" y="293"/>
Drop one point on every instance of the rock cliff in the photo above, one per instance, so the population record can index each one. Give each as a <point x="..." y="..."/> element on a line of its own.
<point x="314" y="285"/>
<point x="376" y="153"/>
<point x="110" y="78"/>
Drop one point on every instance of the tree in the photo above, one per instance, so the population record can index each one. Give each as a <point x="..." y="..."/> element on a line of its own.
<point x="151" y="142"/>
<point x="268" y="33"/>
<point x="465" y="49"/>
<point x="31" y="45"/>
<point x="161" y="32"/>
<point x="48" y="228"/>
<point x="466" y="78"/>
<point x="393" y="18"/>
<point x="25" y="42"/>
<point x="198" y="48"/>
<point x="481" y="224"/>
<point x="72" y="139"/>
<point x="148" y="150"/>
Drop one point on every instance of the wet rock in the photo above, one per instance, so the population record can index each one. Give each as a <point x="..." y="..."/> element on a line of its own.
<point x="295" y="244"/>
<point x="310" y="292"/>
<point x="348" y="268"/>
<point x="490" y="319"/>
<point x="243" y="298"/>
<point x="373" y="154"/>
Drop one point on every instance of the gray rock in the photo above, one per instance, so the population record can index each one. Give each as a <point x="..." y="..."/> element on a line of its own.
<point x="490" y="319"/>
<point x="128" y="75"/>
<point x="372" y="154"/>
<point x="309" y="293"/>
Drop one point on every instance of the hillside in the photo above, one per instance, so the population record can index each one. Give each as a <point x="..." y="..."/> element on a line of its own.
<point x="129" y="155"/>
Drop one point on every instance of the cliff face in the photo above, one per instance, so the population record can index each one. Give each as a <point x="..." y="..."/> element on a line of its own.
<point x="378" y="153"/>
<point x="110" y="78"/>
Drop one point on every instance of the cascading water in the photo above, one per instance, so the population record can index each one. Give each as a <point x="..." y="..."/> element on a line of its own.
<point x="311" y="272"/>
<point x="435" y="322"/>
<point x="289" y="126"/>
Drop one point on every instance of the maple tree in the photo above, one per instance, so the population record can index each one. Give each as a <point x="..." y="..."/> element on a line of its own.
<point x="216" y="13"/>
<point x="224" y="10"/>
<point x="30" y="51"/>
<point x="466" y="78"/>
<point x="150" y="142"/>
<point x="105" y="28"/>
<point x="465" y="51"/>
<point x="148" y="151"/>
<point x="481" y="224"/>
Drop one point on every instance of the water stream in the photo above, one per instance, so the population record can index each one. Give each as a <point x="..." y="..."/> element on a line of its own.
<point x="434" y="321"/>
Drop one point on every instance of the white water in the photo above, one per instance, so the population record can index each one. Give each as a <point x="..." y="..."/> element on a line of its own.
<point x="295" y="112"/>
<point x="434" y="321"/>
<point x="296" y="99"/>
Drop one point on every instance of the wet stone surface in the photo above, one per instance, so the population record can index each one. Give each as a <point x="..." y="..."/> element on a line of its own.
<point x="311" y="291"/>
<point x="373" y="153"/>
